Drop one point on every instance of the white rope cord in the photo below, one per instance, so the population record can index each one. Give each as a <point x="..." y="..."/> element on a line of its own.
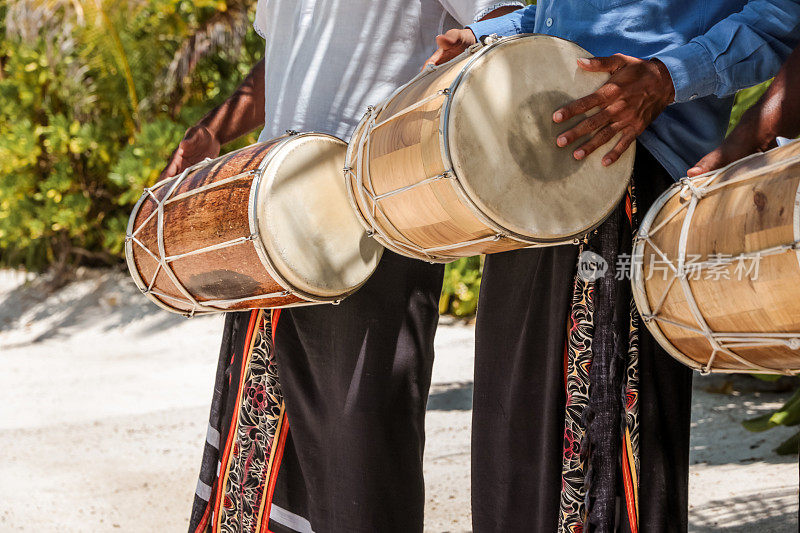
<point x="162" y="249"/>
<point x="164" y="261"/>
<point x="663" y="299"/>
<point x="225" y="304"/>
<point x="412" y="107"/>
<point x="752" y="175"/>
<point x="210" y="186"/>
<point x="664" y="222"/>
<point x="365" y="187"/>
<point x="444" y="175"/>
<point x="362" y="171"/>
<point x="694" y="190"/>
<point x="211" y="248"/>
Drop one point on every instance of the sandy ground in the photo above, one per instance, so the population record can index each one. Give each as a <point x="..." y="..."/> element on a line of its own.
<point x="104" y="401"/>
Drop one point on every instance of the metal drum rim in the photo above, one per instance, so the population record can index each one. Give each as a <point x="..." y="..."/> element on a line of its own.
<point x="464" y="193"/>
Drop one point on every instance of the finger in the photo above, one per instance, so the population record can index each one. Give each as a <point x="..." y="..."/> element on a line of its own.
<point x="710" y="161"/>
<point x="174" y="164"/>
<point x="442" y="55"/>
<point x="168" y="172"/>
<point x="602" y="64"/>
<point x="598" y="139"/>
<point x="695" y="171"/>
<point x="623" y="144"/>
<point x="585" y="127"/>
<point x="579" y="107"/>
<point x="434" y="59"/>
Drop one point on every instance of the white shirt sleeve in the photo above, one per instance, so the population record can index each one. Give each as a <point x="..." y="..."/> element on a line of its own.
<point x="260" y="22"/>
<point x="469" y="11"/>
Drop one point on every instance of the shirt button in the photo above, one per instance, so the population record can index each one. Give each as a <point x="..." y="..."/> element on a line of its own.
<point x="548" y="22"/>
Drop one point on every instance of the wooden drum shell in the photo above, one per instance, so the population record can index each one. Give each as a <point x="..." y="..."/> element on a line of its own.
<point x="223" y="240"/>
<point x="759" y="211"/>
<point x="402" y="152"/>
<point x="443" y="170"/>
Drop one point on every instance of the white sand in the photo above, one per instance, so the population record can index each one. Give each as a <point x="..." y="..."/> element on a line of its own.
<point x="105" y="400"/>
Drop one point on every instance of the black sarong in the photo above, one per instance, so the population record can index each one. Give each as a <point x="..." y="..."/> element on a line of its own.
<point x="519" y="402"/>
<point x="336" y="443"/>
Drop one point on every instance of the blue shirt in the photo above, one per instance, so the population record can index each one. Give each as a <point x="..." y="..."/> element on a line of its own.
<point x="711" y="48"/>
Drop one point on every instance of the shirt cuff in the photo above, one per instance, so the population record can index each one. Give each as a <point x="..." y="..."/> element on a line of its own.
<point x="692" y="70"/>
<point x="502" y="26"/>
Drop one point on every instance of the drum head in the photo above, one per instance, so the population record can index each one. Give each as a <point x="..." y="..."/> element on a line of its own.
<point x="502" y="140"/>
<point x="306" y="222"/>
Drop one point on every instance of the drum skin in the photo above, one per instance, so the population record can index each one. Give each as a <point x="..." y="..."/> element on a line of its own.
<point x="442" y="215"/>
<point x="196" y="221"/>
<point x="756" y="214"/>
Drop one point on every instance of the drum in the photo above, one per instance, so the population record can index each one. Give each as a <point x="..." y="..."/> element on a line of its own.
<point x="266" y="226"/>
<point x="463" y="159"/>
<point x="716" y="267"/>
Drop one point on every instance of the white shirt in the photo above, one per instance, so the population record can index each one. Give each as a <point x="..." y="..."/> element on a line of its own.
<point x="327" y="60"/>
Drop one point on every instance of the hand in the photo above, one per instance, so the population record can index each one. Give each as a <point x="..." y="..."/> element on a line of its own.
<point x="732" y="148"/>
<point x="451" y="44"/>
<point x="198" y="143"/>
<point x="634" y="95"/>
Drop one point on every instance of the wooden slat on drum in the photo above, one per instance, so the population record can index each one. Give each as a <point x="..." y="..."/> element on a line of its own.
<point x="195" y="221"/>
<point x="743" y="217"/>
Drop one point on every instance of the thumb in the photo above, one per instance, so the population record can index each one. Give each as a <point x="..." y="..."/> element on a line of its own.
<point x="174" y="164"/>
<point x="711" y="161"/>
<point x="435" y="59"/>
<point x="600" y="64"/>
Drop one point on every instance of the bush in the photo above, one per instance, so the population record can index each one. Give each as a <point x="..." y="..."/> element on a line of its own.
<point x="94" y="95"/>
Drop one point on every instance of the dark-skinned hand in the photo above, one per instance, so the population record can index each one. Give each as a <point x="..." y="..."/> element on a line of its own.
<point x="637" y="91"/>
<point x="198" y="143"/>
<point x="733" y="148"/>
<point x="450" y="45"/>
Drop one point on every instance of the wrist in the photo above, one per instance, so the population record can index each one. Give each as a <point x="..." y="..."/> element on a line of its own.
<point x="205" y="129"/>
<point x="665" y="80"/>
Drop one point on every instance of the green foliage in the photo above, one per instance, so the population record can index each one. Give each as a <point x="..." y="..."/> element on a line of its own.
<point x="788" y="415"/>
<point x="90" y="110"/>
<point x="744" y="100"/>
<point x="462" y="282"/>
<point x="95" y="94"/>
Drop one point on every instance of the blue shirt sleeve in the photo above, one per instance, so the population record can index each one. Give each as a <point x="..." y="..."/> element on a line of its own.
<point x="519" y="21"/>
<point x="741" y="50"/>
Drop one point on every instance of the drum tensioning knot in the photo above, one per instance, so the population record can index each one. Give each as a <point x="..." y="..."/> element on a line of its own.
<point x="648" y="318"/>
<point x="794" y="343"/>
<point x="292" y="132"/>
<point x="689" y="187"/>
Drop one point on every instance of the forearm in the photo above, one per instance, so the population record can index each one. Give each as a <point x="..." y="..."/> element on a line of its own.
<point x="777" y="112"/>
<point x="741" y="50"/>
<point x="242" y="112"/>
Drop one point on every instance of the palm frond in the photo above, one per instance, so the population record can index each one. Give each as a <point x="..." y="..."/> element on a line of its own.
<point x="224" y="29"/>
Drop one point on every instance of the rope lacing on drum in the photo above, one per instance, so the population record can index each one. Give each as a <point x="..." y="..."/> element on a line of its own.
<point x="164" y="261"/>
<point x="370" y="200"/>
<point x="693" y="190"/>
